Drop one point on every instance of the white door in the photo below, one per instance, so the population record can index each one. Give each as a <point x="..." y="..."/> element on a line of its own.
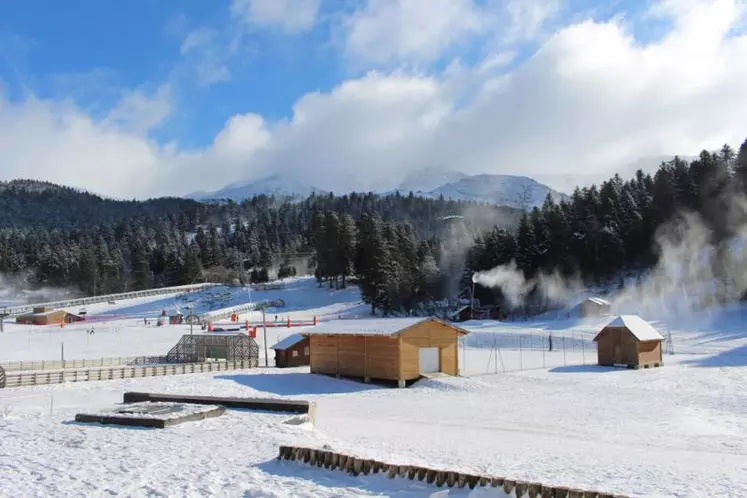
<point x="428" y="360"/>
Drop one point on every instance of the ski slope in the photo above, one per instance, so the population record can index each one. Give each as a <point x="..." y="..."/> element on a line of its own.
<point x="120" y="328"/>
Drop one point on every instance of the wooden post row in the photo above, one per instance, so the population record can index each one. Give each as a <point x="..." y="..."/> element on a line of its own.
<point x="356" y="466"/>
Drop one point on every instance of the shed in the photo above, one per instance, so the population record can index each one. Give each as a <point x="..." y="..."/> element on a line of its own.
<point x="631" y="341"/>
<point x="398" y="349"/>
<point x="461" y="314"/>
<point x="293" y="351"/>
<point x="49" y="317"/>
<point x="595" y="306"/>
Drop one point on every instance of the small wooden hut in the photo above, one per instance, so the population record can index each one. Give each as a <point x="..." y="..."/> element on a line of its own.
<point x="48" y="316"/>
<point x="631" y="341"/>
<point x="461" y="314"/>
<point x="398" y="349"/>
<point x="293" y="351"/>
<point x="595" y="306"/>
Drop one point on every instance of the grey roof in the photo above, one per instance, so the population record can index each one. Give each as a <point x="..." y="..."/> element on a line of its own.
<point x="288" y="342"/>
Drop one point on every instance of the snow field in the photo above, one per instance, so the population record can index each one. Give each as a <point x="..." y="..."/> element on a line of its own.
<point x="554" y="417"/>
<point x="680" y="430"/>
<point x="120" y="330"/>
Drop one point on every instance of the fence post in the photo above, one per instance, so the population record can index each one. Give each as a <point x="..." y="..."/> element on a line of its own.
<point x="565" y="363"/>
<point x="543" y="354"/>
<point x="583" y="352"/>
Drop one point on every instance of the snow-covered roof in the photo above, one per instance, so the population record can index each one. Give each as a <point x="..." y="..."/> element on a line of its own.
<point x="42" y="313"/>
<point x="289" y="341"/>
<point x="598" y="300"/>
<point x="458" y="310"/>
<point x="640" y="328"/>
<point x="373" y="326"/>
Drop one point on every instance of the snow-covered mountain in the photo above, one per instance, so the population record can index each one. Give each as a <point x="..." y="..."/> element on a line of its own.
<point x="428" y="179"/>
<point x="275" y="185"/>
<point x="503" y="190"/>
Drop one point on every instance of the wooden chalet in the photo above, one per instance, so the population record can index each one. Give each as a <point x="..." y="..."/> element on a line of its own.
<point x="293" y="351"/>
<point x="395" y="349"/>
<point x="630" y="341"/>
<point x="43" y="315"/>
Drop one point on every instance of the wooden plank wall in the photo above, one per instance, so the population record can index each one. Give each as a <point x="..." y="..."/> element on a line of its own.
<point x="355" y="356"/>
<point x="649" y="352"/>
<point x="429" y="335"/>
<point x="323" y="354"/>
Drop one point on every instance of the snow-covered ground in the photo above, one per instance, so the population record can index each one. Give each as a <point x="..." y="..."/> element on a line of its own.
<point x="552" y="417"/>
<point x="674" y="431"/>
<point x="120" y="328"/>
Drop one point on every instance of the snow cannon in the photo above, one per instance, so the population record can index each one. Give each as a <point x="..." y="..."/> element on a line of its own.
<point x="253" y="333"/>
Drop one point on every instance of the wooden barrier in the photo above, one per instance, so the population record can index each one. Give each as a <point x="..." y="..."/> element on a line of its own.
<point x="268" y="404"/>
<point x="25" y="379"/>
<point x="23" y="366"/>
<point x="356" y="466"/>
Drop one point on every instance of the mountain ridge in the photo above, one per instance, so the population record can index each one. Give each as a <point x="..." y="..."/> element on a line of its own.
<point x="276" y="185"/>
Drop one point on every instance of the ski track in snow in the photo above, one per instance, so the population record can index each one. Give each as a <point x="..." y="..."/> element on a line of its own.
<point x="675" y="431"/>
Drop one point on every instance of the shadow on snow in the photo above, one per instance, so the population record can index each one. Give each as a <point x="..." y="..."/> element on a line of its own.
<point x="736" y="357"/>
<point x="293" y="384"/>
<point x="585" y="369"/>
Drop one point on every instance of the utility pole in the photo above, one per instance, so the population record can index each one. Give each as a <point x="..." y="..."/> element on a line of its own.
<point x="472" y="301"/>
<point x="264" y="332"/>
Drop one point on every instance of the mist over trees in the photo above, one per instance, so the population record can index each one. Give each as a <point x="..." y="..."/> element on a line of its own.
<point x="52" y="236"/>
<point x="402" y="251"/>
<point x="605" y="230"/>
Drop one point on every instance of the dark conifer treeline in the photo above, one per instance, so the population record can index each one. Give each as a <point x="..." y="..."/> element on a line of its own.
<point x="55" y="236"/>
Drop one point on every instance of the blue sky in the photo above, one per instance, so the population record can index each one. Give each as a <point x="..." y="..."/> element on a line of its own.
<point x="178" y="96"/>
<point x="91" y="51"/>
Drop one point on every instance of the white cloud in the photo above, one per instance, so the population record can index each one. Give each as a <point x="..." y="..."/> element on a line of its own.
<point x="292" y="16"/>
<point x="592" y="96"/>
<point x="394" y="31"/>
<point x="139" y="112"/>
<point x="527" y="18"/>
<point x="387" y="32"/>
<point x="57" y="142"/>
<point x="207" y="56"/>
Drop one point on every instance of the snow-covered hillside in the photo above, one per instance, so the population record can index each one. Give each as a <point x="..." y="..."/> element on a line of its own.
<point x="519" y="192"/>
<point x="428" y="179"/>
<point x="275" y="185"/>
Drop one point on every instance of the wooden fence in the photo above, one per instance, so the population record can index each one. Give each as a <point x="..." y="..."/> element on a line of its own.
<point x="25" y="366"/>
<point x="37" y="378"/>
<point x="356" y="466"/>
